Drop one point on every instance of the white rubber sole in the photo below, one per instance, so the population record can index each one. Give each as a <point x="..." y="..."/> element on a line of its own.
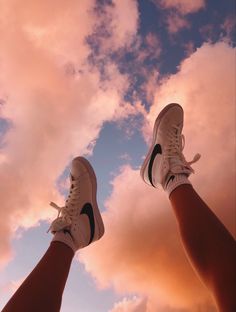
<point x="164" y="111"/>
<point x="97" y="215"/>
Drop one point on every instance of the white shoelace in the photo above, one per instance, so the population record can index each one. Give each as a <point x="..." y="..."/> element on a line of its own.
<point x="66" y="213"/>
<point x="174" y="150"/>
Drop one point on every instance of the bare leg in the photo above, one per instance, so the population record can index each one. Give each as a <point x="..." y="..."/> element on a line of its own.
<point x="43" y="288"/>
<point x="209" y="245"/>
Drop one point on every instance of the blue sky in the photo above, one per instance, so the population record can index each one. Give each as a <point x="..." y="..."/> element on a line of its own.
<point x="118" y="141"/>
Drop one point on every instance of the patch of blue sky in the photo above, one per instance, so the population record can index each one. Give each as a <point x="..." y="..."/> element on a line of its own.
<point x="136" y="91"/>
<point x="118" y="144"/>
<point x="152" y="20"/>
<point x="100" y="3"/>
<point x="206" y="25"/>
<point x="150" y="17"/>
<point x="113" y="149"/>
<point x="4" y="127"/>
<point x="212" y="17"/>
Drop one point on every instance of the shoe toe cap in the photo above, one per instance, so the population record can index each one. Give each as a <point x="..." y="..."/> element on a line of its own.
<point x="77" y="167"/>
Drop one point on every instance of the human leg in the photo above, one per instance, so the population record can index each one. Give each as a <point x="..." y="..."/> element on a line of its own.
<point x="78" y="224"/>
<point x="42" y="290"/>
<point x="210" y="247"/>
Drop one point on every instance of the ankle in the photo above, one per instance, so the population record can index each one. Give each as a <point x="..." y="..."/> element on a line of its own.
<point x="64" y="238"/>
<point x="173" y="181"/>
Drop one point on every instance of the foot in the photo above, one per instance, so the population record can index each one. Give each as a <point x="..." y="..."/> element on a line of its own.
<point x="165" y="158"/>
<point x="79" y="222"/>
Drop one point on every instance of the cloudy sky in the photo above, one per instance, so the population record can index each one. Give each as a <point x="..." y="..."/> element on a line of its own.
<point x="89" y="78"/>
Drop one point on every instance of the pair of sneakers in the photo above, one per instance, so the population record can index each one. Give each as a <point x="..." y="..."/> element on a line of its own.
<point x="79" y="222"/>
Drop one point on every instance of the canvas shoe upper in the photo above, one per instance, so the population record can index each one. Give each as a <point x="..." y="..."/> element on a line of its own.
<point x="80" y="216"/>
<point x="165" y="155"/>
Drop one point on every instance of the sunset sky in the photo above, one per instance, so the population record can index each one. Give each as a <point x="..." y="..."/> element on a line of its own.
<point x="87" y="77"/>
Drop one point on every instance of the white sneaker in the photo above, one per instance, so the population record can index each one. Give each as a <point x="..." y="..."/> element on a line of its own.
<point x="79" y="222"/>
<point x="165" y="158"/>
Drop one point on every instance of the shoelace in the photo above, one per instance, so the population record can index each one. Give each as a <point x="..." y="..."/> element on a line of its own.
<point x="66" y="213"/>
<point x="175" y="148"/>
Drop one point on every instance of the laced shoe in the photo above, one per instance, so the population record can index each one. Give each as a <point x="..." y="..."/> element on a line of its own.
<point x="79" y="222"/>
<point x="165" y="159"/>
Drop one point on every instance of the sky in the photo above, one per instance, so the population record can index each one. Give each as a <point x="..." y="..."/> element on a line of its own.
<point x="89" y="78"/>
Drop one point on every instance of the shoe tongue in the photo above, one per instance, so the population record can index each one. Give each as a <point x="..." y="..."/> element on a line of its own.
<point x="176" y="169"/>
<point x="176" y="165"/>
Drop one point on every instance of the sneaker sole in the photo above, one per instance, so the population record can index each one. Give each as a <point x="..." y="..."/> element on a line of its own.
<point x="154" y="142"/>
<point x="97" y="215"/>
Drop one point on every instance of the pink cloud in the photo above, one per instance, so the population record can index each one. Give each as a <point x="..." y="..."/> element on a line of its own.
<point x="121" y="20"/>
<point x="141" y="251"/>
<point x="124" y="20"/>
<point x="126" y="157"/>
<point x="183" y="6"/>
<point x="189" y="48"/>
<point x="55" y="113"/>
<point x="12" y="286"/>
<point x="229" y="25"/>
<point x="152" y="49"/>
<point x="142" y="247"/>
<point x="149" y="87"/>
<point x="205" y="87"/>
<point x="176" y="22"/>
<point x="207" y="32"/>
<point x="134" y="304"/>
<point x="153" y="43"/>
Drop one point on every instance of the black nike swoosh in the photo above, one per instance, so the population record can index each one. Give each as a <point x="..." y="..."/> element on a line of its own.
<point x="157" y="150"/>
<point x="88" y="210"/>
<point x="170" y="179"/>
